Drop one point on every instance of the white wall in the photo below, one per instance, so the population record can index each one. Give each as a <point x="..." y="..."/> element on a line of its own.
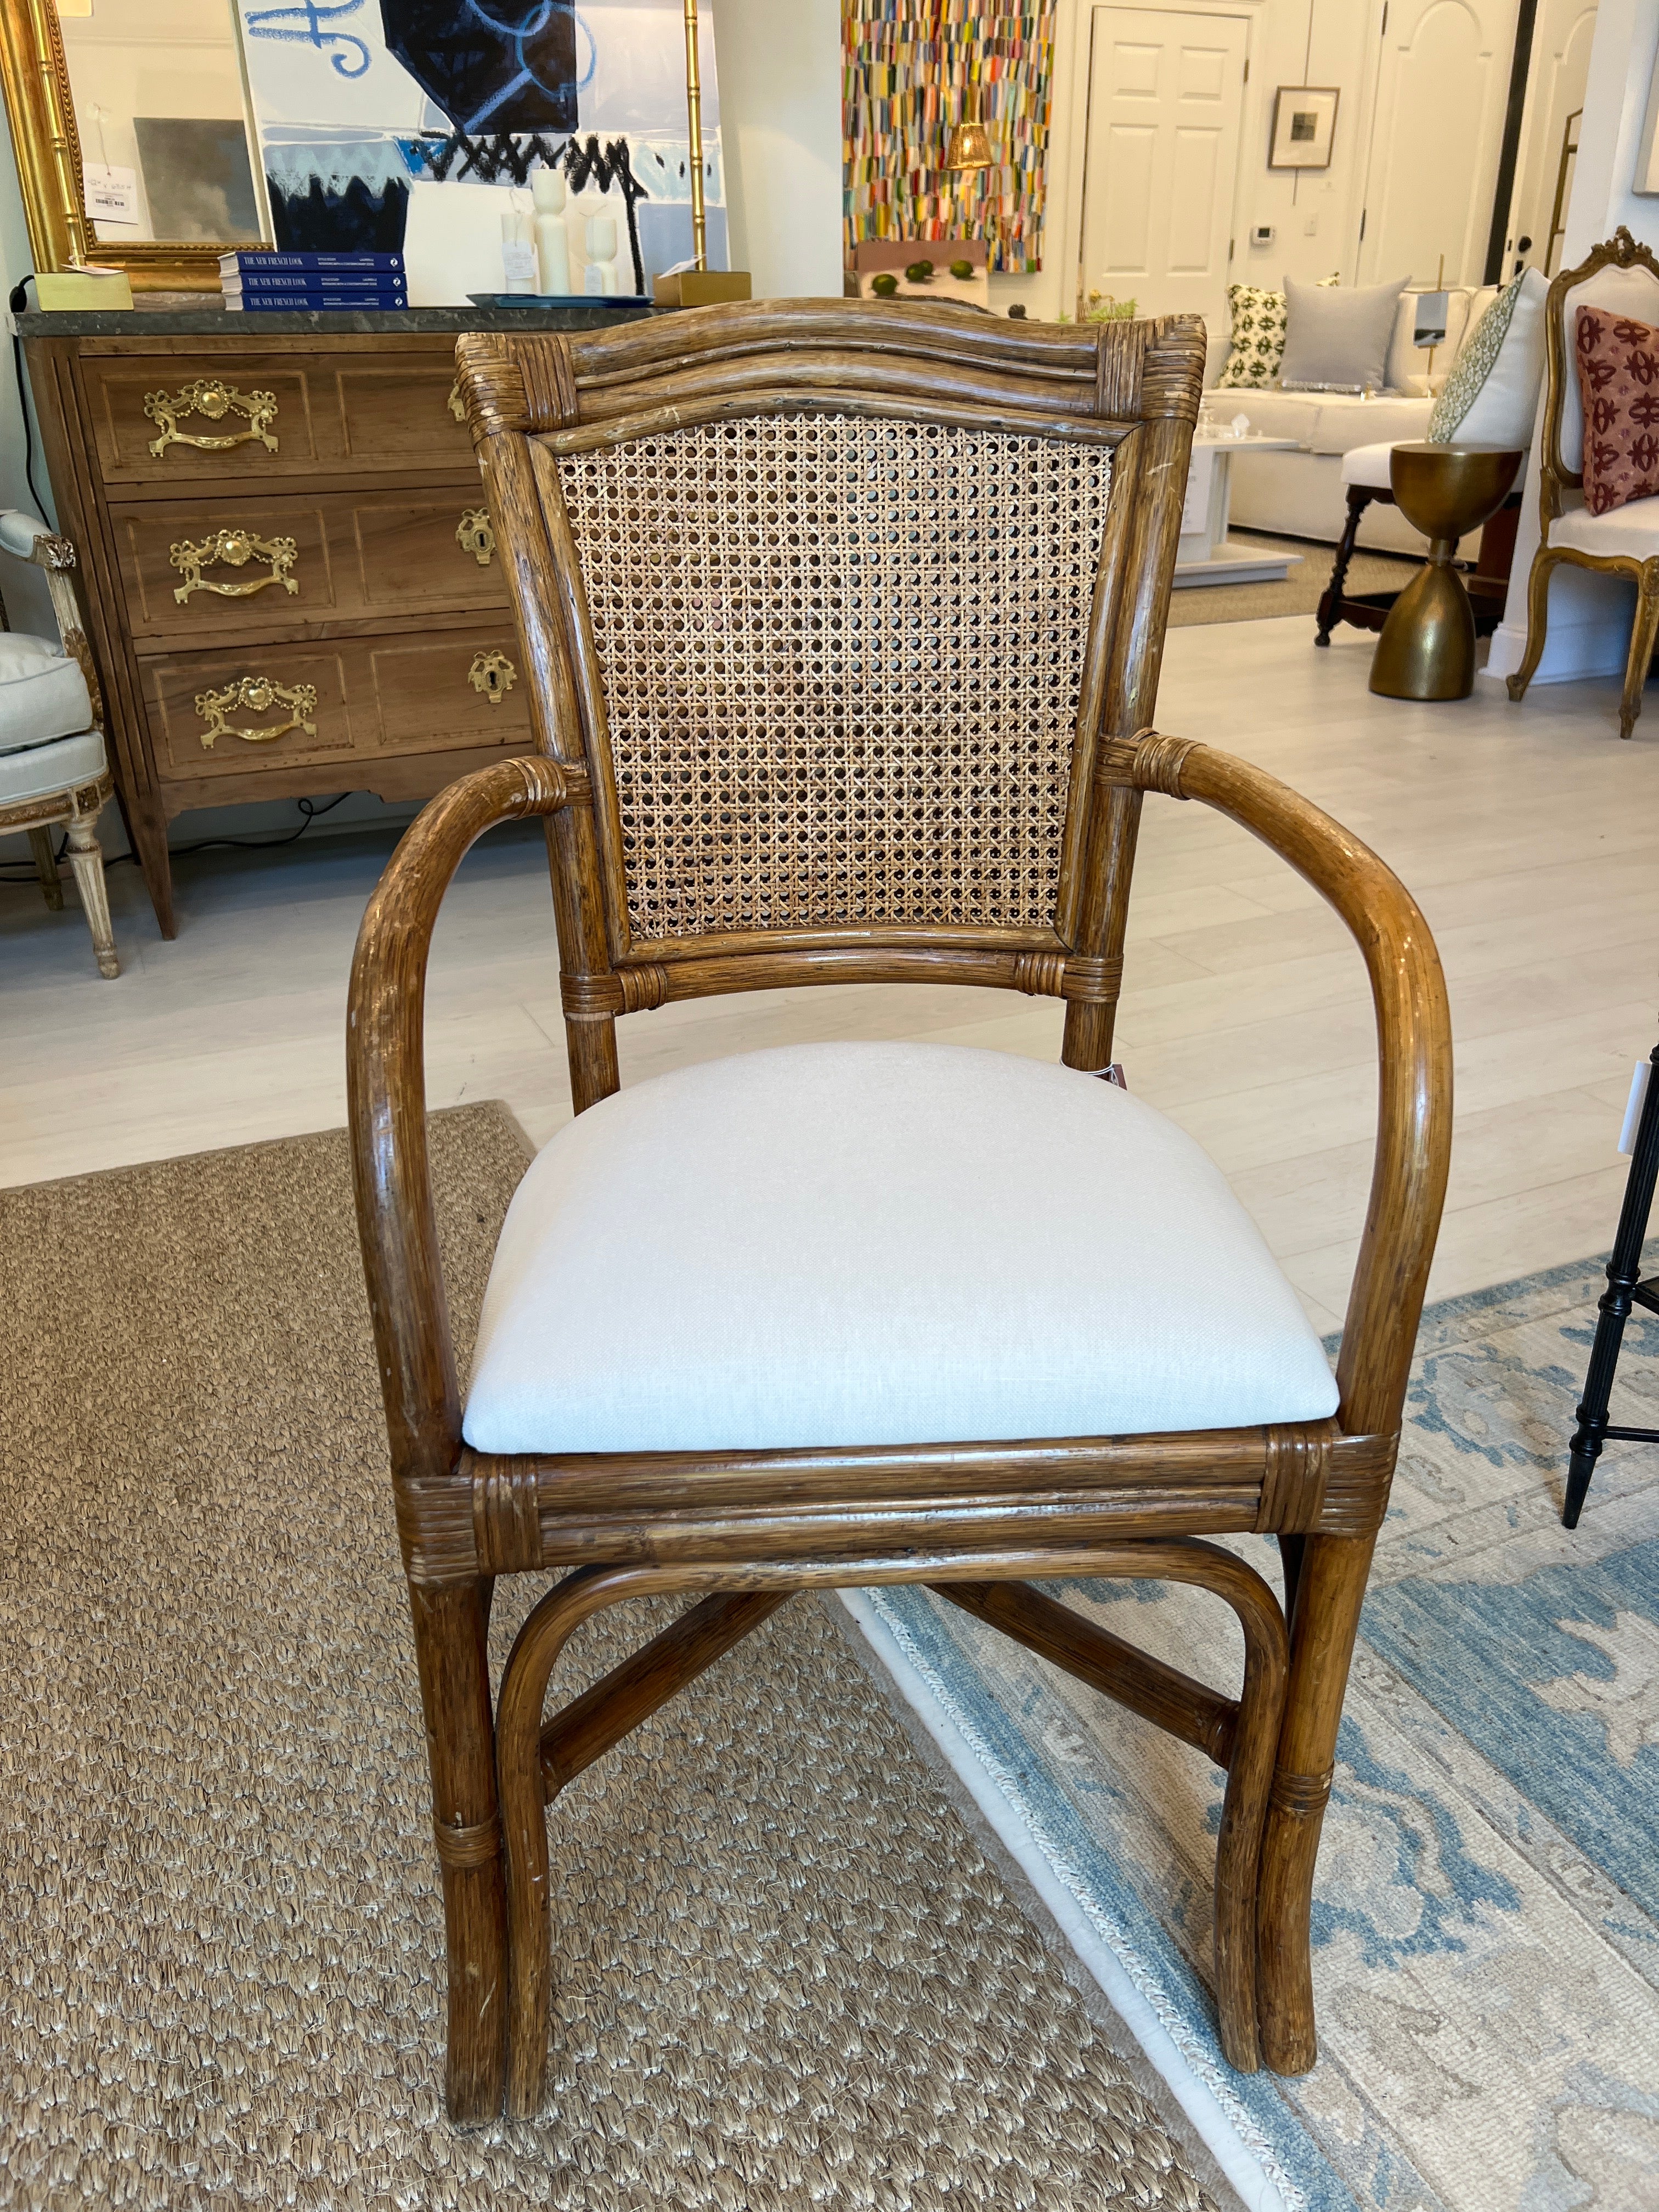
<point x="780" y="70"/>
<point x="1589" y="615"/>
<point x="1315" y="214"/>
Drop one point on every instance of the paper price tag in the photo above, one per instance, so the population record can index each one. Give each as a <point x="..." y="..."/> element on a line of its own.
<point x="111" y="193"/>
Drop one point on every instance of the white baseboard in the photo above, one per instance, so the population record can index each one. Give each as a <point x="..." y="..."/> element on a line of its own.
<point x="1588" y="633"/>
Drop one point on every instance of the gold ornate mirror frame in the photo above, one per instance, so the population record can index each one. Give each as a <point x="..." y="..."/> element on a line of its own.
<point x="41" y="110"/>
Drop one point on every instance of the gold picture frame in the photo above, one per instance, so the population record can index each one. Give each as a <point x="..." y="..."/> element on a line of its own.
<point x="40" y="107"/>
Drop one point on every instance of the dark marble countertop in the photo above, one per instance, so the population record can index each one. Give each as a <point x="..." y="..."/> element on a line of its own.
<point x="212" y="321"/>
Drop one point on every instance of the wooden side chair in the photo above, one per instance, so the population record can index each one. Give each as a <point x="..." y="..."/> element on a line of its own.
<point x="1622" y="277"/>
<point x="843" y="622"/>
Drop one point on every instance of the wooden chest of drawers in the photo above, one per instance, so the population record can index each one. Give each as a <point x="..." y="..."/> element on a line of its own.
<point x="290" y="571"/>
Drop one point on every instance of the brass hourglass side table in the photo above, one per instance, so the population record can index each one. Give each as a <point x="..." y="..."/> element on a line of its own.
<point x="1426" y="650"/>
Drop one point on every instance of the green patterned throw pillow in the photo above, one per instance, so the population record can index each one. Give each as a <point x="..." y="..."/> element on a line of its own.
<point x="1256" y="338"/>
<point x="1474" y="365"/>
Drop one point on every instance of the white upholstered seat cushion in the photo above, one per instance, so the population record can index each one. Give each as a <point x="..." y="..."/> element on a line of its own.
<point x="880" y="1244"/>
<point x="43" y="694"/>
<point x="1631" y="529"/>
<point x="38" y="771"/>
<point x="1369" y="464"/>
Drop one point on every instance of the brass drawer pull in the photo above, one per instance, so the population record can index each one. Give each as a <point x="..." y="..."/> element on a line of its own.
<point x="493" y="674"/>
<point x="207" y="396"/>
<point x="235" y="548"/>
<point x="474" y="535"/>
<point x="258" y="695"/>
<point x="457" y="405"/>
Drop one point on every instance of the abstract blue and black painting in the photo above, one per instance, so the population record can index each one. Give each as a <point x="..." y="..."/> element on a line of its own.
<point x="490" y="65"/>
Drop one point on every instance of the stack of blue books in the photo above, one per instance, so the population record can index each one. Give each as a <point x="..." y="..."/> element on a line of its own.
<point x="260" y="283"/>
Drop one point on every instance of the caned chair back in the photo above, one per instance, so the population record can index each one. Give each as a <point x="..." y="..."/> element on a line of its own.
<point x="833" y="603"/>
<point x="1621" y="277"/>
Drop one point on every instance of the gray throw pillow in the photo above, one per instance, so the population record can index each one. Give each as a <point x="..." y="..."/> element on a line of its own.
<point x="1338" y="341"/>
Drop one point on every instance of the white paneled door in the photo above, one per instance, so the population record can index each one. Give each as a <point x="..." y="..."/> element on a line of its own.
<point x="1555" y="89"/>
<point x="1165" y="88"/>
<point x="1442" y="86"/>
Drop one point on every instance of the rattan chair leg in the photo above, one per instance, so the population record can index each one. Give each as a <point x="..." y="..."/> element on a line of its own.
<point x="1331" y="1587"/>
<point x="455" y="1669"/>
<point x="1243" y="1737"/>
<point x="523" y="1810"/>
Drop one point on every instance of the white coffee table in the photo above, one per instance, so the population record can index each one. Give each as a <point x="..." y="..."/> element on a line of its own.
<point x="1205" y="556"/>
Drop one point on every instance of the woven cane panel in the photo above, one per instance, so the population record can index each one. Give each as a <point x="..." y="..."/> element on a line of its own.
<point x="841" y="661"/>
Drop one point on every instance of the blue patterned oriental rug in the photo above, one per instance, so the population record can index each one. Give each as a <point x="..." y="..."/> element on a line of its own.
<point x="1487" y="1912"/>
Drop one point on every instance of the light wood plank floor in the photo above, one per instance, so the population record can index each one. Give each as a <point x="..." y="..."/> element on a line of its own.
<point x="1528" y="834"/>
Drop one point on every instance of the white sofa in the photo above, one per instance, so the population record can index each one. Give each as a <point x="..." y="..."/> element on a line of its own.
<point x="1302" y="495"/>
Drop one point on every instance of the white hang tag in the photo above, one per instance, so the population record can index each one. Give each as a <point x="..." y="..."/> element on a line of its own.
<point x="1633" y="1104"/>
<point x="518" y="261"/>
<point x="111" y="193"/>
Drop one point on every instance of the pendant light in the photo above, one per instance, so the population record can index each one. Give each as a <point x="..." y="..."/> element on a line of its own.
<point x="970" y="142"/>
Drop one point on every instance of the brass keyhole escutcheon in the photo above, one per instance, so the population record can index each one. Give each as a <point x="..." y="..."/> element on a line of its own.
<point x="474" y="535"/>
<point x="492" y="674"/>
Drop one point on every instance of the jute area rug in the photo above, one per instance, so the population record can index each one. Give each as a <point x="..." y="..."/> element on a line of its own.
<point x="788" y="1979"/>
<point x="1298" y="593"/>
<point x="1487" y="1906"/>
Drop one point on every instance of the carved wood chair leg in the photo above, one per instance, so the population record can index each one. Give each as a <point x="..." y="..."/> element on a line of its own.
<point x="1538" y="614"/>
<point x="45" y="867"/>
<point x="1330" y="1589"/>
<point x="454" y="1668"/>
<point x="87" y="858"/>
<point x="1330" y="604"/>
<point x="1644" y="631"/>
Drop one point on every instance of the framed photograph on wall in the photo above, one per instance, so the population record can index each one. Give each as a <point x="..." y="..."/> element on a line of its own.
<point x="1304" y="125"/>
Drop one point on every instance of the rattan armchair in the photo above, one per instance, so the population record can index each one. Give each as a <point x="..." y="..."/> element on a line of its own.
<point x="842" y="622"/>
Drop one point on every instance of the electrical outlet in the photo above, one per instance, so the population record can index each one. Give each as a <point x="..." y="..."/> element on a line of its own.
<point x="1311" y="226"/>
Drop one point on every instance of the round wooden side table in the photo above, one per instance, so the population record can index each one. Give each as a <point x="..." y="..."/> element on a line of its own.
<point x="1426" y="650"/>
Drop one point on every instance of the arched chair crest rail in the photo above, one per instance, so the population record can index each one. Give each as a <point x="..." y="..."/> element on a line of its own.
<point x="1622" y="277"/>
<point x="843" y="622"/>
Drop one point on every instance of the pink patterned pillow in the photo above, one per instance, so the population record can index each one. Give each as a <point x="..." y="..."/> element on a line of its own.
<point x="1618" y="381"/>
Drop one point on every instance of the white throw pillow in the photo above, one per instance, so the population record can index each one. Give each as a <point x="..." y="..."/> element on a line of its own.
<point x="1490" y="398"/>
<point x="1408" y="365"/>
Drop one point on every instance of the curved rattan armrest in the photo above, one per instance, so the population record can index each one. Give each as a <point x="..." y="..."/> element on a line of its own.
<point x="1413" y="1035"/>
<point x="385" y="1091"/>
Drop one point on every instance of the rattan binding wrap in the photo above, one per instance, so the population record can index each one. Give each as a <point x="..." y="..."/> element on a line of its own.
<point x="841" y="659"/>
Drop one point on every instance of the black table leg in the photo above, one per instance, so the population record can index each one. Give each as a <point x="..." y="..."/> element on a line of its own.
<point x="1625" y="1289"/>
<point x="1330" y="606"/>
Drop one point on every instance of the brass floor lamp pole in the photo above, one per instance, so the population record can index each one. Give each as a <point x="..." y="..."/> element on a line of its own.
<point x="694" y="124"/>
<point x="697" y="285"/>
